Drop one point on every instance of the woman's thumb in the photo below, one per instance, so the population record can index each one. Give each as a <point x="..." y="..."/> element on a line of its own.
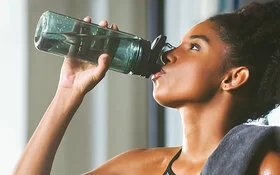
<point x="103" y="65"/>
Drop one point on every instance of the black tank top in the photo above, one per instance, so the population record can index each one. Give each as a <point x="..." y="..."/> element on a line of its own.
<point x="168" y="170"/>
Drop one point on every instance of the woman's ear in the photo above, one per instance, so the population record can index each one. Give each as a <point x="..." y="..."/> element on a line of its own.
<point x="235" y="78"/>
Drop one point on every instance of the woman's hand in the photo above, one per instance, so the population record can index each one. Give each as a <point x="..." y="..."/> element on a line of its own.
<point x="82" y="76"/>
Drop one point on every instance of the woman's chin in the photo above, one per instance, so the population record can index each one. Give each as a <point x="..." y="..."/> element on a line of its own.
<point x="163" y="100"/>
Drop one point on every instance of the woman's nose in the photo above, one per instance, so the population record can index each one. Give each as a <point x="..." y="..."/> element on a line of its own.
<point x="168" y="54"/>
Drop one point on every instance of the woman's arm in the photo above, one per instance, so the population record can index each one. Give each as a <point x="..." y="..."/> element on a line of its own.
<point x="76" y="79"/>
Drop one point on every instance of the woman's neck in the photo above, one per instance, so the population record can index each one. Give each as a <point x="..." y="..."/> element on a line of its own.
<point x="204" y="125"/>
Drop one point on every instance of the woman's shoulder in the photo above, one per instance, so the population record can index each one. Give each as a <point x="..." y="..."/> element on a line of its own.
<point x="139" y="161"/>
<point x="270" y="164"/>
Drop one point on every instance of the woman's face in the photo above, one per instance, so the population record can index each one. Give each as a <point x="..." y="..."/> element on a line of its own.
<point x="194" y="70"/>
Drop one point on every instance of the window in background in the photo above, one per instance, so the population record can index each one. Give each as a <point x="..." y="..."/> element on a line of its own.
<point x="13" y="83"/>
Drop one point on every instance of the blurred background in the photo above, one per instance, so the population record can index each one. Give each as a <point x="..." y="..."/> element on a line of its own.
<point x="120" y="114"/>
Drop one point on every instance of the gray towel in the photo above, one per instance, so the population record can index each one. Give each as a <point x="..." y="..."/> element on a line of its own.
<point x="239" y="147"/>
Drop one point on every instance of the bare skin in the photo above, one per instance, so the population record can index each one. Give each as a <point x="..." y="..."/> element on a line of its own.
<point x="206" y="112"/>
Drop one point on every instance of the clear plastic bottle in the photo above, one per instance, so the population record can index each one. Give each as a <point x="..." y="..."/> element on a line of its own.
<point x="66" y="36"/>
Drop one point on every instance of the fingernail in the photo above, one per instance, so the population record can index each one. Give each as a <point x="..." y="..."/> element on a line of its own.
<point x="87" y="19"/>
<point x="105" y="58"/>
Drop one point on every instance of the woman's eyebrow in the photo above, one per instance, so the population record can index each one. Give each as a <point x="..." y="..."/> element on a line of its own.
<point x="203" y="37"/>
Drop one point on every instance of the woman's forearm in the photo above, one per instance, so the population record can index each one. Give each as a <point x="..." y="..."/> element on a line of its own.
<point x="76" y="79"/>
<point x="39" y="153"/>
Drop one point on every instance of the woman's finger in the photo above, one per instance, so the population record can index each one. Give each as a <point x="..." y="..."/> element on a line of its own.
<point x="87" y="19"/>
<point x="114" y="26"/>
<point x="103" y="23"/>
<point x="103" y="65"/>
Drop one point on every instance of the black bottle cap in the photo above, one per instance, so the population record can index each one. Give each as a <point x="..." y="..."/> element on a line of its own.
<point x="148" y="57"/>
<point x="156" y="53"/>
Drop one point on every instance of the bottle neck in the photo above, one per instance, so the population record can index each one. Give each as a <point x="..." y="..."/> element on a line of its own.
<point x="147" y="64"/>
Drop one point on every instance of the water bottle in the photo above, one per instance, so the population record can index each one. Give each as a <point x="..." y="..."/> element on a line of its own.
<point x="66" y="36"/>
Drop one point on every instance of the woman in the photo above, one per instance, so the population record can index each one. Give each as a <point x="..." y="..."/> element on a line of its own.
<point x="225" y="71"/>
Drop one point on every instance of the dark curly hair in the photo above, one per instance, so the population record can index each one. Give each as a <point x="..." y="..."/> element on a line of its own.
<point x="253" y="34"/>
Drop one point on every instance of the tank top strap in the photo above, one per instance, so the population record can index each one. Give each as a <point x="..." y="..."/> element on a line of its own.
<point x="168" y="170"/>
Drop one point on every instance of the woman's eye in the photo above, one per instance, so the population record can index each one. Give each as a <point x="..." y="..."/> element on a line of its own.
<point x="195" y="47"/>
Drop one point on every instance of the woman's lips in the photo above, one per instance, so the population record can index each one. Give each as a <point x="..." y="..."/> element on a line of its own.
<point x="158" y="74"/>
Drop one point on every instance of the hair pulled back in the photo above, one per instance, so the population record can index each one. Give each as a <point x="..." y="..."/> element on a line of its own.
<point x="253" y="34"/>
